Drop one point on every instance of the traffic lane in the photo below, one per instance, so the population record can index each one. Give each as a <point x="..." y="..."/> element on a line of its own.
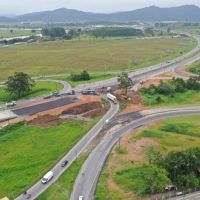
<point x="71" y="156"/>
<point x="193" y="196"/>
<point x="31" y="110"/>
<point x="85" y="185"/>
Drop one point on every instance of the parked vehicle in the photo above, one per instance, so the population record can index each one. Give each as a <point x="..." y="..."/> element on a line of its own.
<point x="47" y="177"/>
<point x="64" y="163"/>
<point x="89" y="92"/>
<point x="55" y="94"/>
<point x="11" y="104"/>
<point x="112" y="98"/>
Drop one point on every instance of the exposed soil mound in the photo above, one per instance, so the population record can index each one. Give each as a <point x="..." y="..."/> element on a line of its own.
<point x="82" y="108"/>
<point x="45" y="121"/>
<point x="95" y="112"/>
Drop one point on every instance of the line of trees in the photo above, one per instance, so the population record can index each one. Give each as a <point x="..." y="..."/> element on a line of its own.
<point x="115" y="32"/>
<point x="54" y="32"/>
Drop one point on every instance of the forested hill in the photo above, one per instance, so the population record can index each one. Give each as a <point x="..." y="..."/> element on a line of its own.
<point x="152" y="13"/>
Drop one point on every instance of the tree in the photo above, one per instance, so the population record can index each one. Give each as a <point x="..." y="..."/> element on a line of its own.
<point x="20" y="84"/>
<point x="124" y="81"/>
<point x="85" y="76"/>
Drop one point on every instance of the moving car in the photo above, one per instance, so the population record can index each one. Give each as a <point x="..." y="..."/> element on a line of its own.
<point x="64" y="163"/>
<point x="47" y="177"/>
<point x="80" y="198"/>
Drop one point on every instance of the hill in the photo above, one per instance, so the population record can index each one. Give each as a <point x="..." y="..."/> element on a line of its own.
<point x="152" y="13"/>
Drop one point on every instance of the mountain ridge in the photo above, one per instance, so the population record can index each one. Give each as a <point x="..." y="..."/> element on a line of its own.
<point x="151" y="13"/>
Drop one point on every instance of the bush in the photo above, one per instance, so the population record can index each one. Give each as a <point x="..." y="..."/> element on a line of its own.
<point x="83" y="76"/>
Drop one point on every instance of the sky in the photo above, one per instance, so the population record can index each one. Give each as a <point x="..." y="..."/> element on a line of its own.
<point x="13" y="7"/>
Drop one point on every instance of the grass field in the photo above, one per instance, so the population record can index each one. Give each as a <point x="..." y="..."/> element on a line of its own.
<point x="189" y="98"/>
<point x="7" y="33"/>
<point x="122" y="177"/>
<point x="30" y="152"/>
<point x="93" y="55"/>
<point x="194" y="68"/>
<point x="94" y="77"/>
<point x="62" y="188"/>
<point x="39" y="89"/>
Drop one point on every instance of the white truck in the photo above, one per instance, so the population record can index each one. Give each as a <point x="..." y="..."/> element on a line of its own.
<point x="112" y="98"/>
<point x="47" y="177"/>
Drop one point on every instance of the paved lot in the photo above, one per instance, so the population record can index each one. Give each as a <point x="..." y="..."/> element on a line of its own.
<point x="44" y="106"/>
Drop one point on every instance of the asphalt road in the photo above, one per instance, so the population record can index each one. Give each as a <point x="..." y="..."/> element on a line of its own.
<point x="193" y="196"/>
<point x="71" y="156"/>
<point x="31" y="110"/>
<point x="88" y="176"/>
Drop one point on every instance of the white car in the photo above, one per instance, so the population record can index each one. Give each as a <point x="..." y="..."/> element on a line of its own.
<point x="47" y="177"/>
<point x="80" y="198"/>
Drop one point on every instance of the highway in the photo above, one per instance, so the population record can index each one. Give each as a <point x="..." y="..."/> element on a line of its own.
<point x="142" y="74"/>
<point x="71" y="156"/>
<point x="87" y="179"/>
<point x="192" y="196"/>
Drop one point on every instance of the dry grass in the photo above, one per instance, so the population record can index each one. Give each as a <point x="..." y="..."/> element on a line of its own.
<point x="94" y="55"/>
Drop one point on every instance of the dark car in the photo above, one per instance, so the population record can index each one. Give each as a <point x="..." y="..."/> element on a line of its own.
<point x="64" y="163"/>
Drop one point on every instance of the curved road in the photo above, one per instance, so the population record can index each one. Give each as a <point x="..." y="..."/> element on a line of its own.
<point x="38" y="188"/>
<point x="88" y="177"/>
<point x="71" y="156"/>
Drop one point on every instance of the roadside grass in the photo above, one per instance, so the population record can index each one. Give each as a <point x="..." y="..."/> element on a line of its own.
<point x="194" y="68"/>
<point x="57" y="57"/>
<point x="28" y="152"/>
<point x="189" y="97"/>
<point x="173" y="134"/>
<point x="39" y="89"/>
<point x="7" y="33"/>
<point x="94" y="77"/>
<point x="62" y="188"/>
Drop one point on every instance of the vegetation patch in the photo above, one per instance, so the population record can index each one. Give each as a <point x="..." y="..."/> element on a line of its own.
<point x="194" y="68"/>
<point x="143" y="179"/>
<point x="174" y="92"/>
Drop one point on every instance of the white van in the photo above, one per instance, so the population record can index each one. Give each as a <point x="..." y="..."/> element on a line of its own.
<point x="47" y="177"/>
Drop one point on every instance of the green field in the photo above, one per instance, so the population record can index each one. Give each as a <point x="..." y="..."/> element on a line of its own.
<point x="7" y="33"/>
<point x="39" y="89"/>
<point x="59" y="57"/>
<point x="194" y="68"/>
<point x="62" y="188"/>
<point x="30" y="152"/>
<point x="131" y="178"/>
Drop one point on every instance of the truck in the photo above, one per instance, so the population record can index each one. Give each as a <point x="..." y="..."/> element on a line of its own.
<point x="47" y="177"/>
<point x="112" y="98"/>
